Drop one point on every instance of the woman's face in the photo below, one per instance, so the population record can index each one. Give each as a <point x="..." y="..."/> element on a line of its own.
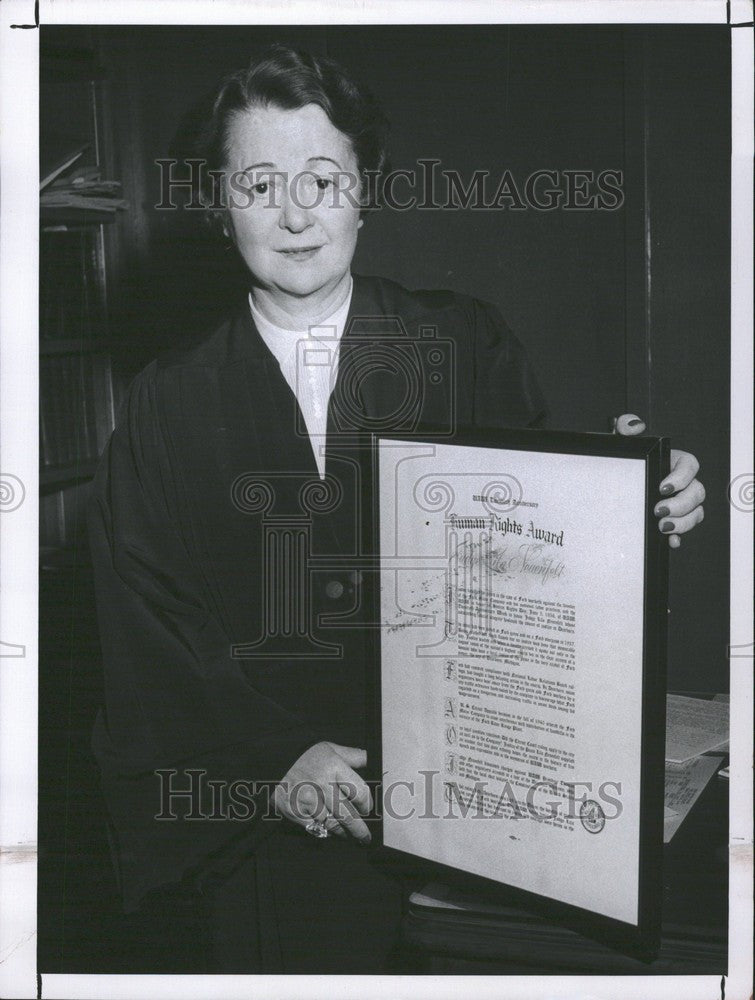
<point x="292" y="189"/>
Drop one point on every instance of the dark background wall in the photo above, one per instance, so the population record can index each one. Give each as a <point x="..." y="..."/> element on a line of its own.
<point x="620" y="311"/>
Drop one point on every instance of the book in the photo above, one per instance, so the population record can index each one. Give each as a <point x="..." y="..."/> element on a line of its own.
<point x="76" y="408"/>
<point x="83" y="189"/>
<point x="71" y="284"/>
<point x="56" y="160"/>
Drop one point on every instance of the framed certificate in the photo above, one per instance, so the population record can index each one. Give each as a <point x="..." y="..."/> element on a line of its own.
<point x="522" y="676"/>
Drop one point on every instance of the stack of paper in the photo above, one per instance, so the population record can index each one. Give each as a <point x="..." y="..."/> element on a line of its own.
<point x="85" y="189"/>
<point x="694" y="726"/>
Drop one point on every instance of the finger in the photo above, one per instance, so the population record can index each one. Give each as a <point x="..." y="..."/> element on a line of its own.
<point x="346" y="814"/>
<point x="678" y="525"/>
<point x="301" y="802"/>
<point x="356" y="789"/>
<point x="684" y="468"/>
<point x="332" y="825"/>
<point x="629" y="424"/>
<point x="683" y="503"/>
<point x="354" y="756"/>
<point x="282" y="803"/>
<point x="318" y="808"/>
<point x="326" y="818"/>
<point x="304" y="803"/>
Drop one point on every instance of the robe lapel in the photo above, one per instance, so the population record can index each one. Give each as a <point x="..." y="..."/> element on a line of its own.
<point x="256" y="440"/>
<point x="264" y="453"/>
<point x="271" y="434"/>
<point x="377" y="370"/>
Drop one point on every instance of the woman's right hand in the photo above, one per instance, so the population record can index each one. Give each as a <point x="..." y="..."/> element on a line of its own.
<point x="323" y="786"/>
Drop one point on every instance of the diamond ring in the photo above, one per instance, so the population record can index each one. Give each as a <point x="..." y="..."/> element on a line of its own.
<point x="316" y="829"/>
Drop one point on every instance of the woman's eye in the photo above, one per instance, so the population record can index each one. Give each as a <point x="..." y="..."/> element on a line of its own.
<point x="261" y="187"/>
<point x="324" y="183"/>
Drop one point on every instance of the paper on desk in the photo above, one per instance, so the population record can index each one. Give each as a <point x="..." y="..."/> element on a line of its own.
<point x="724" y="748"/>
<point x="694" y="726"/>
<point x="439" y="896"/>
<point x="684" y="782"/>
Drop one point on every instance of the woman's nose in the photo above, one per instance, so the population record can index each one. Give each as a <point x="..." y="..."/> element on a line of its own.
<point x="294" y="216"/>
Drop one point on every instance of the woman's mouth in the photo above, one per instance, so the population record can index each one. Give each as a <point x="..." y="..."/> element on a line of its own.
<point x="300" y="253"/>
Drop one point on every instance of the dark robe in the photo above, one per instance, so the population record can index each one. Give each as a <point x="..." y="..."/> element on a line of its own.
<point x="225" y="568"/>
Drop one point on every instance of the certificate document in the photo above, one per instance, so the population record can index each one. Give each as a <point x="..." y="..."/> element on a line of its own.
<point x="521" y="659"/>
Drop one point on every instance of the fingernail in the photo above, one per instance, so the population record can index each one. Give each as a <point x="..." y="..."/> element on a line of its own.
<point x="634" y="422"/>
<point x="667" y="526"/>
<point x="666" y="489"/>
<point x="662" y="511"/>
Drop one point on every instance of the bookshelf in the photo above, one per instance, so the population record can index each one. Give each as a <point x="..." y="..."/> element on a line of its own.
<point x="78" y="388"/>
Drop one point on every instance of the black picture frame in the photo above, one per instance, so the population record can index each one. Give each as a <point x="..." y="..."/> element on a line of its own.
<point x="642" y="939"/>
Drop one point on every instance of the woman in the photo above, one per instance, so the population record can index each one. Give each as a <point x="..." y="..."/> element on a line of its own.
<point x="225" y="525"/>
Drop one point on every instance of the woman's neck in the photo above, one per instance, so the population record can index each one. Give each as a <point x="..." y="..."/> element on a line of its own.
<point x="293" y="312"/>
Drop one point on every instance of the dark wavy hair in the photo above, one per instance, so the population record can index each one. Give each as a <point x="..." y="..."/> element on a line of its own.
<point x="288" y="78"/>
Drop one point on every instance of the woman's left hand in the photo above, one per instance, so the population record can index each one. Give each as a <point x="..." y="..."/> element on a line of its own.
<point x="683" y="494"/>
